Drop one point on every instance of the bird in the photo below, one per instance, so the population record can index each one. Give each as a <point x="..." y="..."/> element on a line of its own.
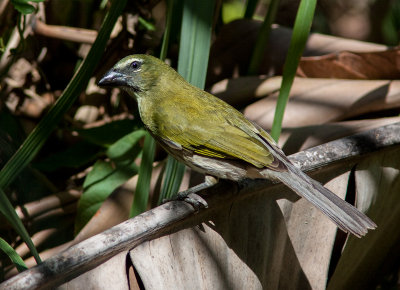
<point x="211" y="137"/>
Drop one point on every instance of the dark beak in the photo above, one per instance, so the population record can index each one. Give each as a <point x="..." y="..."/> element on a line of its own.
<point x="113" y="79"/>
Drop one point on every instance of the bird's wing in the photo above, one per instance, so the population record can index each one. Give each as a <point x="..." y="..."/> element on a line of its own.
<point x="222" y="135"/>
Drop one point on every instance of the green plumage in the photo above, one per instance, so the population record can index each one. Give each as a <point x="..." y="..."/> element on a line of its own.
<point x="178" y="112"/>
<point x="214" y="138"/>
<point x="223" y="133"/>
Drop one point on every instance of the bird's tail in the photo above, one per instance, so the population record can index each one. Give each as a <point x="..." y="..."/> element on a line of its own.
<point x="344" y="215"/>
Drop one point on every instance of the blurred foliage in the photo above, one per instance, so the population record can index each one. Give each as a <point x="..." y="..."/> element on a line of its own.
<point x="232" y="10"/>
<point x="391" y="24"/>
<point x="24" y="7"/>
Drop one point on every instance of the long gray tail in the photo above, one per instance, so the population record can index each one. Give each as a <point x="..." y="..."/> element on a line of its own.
<point x="344" y="215"/>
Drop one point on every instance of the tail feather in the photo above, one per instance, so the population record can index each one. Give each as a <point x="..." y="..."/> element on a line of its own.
<point x="344" y="215"/>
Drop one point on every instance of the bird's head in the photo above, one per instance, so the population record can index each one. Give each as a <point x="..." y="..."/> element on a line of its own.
<point x="136" y="73"/>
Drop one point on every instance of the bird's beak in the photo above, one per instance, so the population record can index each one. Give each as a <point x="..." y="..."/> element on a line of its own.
<point x="113" y="79"/>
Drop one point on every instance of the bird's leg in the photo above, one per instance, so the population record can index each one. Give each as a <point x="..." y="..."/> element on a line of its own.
<point x="196" y="202"/>
<point x="208" y="182"/>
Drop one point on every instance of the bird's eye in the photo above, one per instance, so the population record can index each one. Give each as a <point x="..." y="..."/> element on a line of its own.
<point x="135" y="64"/>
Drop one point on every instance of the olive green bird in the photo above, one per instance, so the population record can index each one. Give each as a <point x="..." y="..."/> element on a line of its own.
<point x="211" y="137"/>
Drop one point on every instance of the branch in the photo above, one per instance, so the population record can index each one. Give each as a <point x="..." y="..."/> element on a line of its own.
<point x="174" y="216"/>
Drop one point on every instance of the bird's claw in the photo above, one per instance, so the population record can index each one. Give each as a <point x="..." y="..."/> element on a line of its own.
<point x="187" y="196"/>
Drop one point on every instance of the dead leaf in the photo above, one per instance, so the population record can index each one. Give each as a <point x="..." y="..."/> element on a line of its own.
<point x="313" y="234"/>
<point x="377" y="184"/>
<point x="230" y="53"/>
<point x="293" y="140"/>
<point x="235" y="250"/>
<point x="318" y="101"/>
<point x="109" y="275"/>
<point x="352" y="65"/>
<point x="245" y="231"/>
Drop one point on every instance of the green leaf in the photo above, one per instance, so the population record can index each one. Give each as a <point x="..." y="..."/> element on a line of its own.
<point x="147" y="24"/>
<point x="170" y="180"/>
<point x="75" y="156"/>
<point x="2" y="46"/>
<point x="37" y="138"/>
<point x="195" y="40"/>
<point x="232" y="10"/>
<point x="301" y="30"/>
<point x="109" y="133"/>
<point x="23" y="8"/>
<point x="102" y="180"/>
<point x="262" y="38"/>
<point x="192" y="65"/>
<point x="251" y="6"/>
<point x="123" y="148"/>
<point x="173" y="171"/>
<point x="141" y="197"/>
<point x="391" y="24"/>
<point x="8" y="211"/>
<point x="167" y="32"/>
<point x="12" y="254"/>
<point x="105" y="177"/>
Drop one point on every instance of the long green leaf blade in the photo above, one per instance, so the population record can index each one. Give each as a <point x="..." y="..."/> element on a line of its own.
<point x="262" y="38"/>
<point x="195" y="41"/>
<point x="192" y="65"/>
<point x="251" y="6"/>
<point x="142" y="192"/>
<point x="167" y="32"/>
<point x="173" y="176"/>
<point x="301" y="30"/>
<point x="141" y="197"/>
<point x="37" y="138"/>
<point x="8" y="211"/>
<point x="12" y="254"/>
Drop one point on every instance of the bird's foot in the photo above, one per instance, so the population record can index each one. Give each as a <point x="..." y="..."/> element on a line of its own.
<point x="190" y="195"/>
<point x="191" y="198"/>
